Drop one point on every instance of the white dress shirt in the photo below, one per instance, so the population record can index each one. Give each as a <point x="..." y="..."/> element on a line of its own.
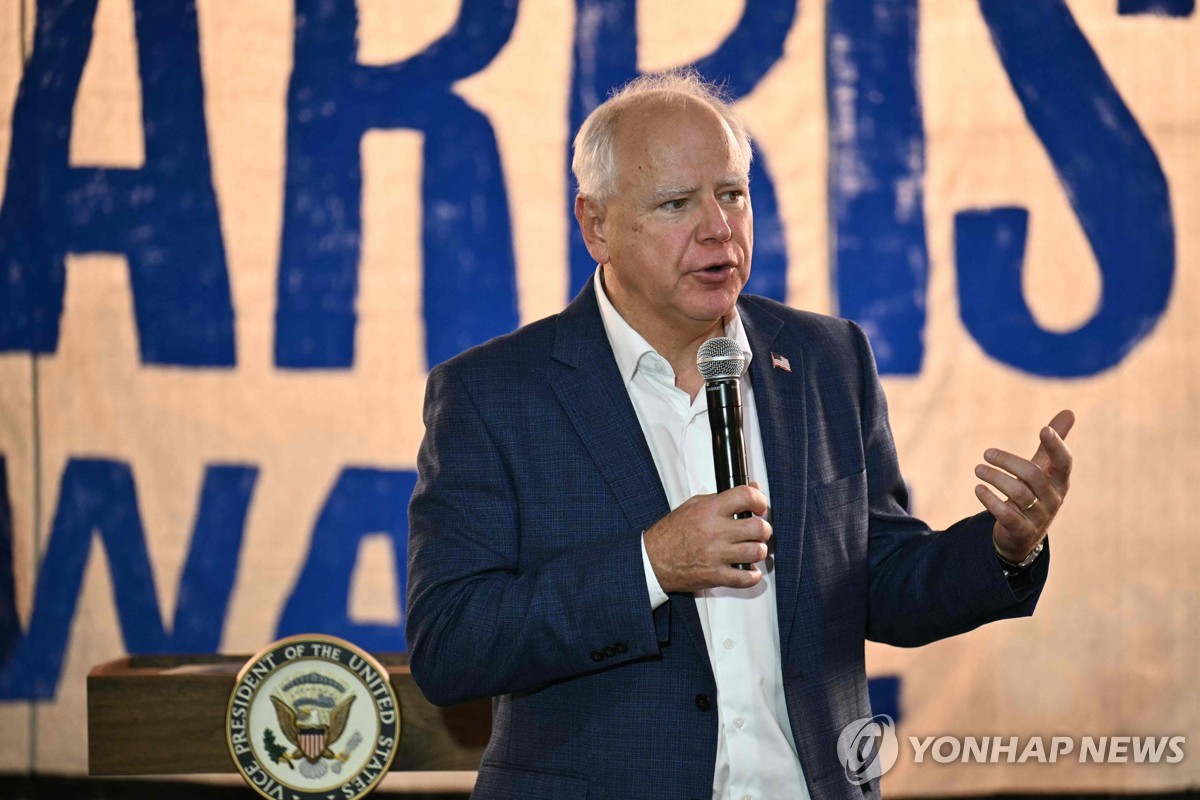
<point x="756" y="755"/>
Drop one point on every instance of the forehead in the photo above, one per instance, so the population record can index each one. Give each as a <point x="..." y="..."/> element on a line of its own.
<point x="659" y="139"/>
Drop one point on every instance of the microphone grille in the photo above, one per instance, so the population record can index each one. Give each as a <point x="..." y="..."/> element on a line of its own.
<point x="720" y="358"/>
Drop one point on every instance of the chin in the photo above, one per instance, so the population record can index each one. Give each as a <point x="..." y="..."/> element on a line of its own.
<point x="715" y="309"/>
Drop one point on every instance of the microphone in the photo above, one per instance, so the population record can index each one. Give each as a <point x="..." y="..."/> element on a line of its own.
<point x="721" y="363"/>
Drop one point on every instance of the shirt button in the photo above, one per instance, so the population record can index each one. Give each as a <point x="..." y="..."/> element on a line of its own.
<point x="728" y="644"/>
<point x="739" y="723"/>
<point x="747" y="797"/>
<point x="702" y="702"/>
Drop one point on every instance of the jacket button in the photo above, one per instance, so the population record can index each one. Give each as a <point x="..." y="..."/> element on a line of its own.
<point x="597" y="655"/>
<point x="610" y="651"/>
<point x="622" y="647"/>
<point x="702" y="702"/>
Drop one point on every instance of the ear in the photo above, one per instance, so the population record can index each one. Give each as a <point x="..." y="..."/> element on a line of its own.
<point x="590" y="216"/>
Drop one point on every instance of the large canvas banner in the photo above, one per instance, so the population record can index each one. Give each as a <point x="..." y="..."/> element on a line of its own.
<point x="235" y="236"/>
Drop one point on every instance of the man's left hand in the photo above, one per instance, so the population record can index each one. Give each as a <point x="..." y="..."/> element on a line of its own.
<point x="1035" y="489"/>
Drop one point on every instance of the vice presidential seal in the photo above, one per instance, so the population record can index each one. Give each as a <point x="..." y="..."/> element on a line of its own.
<point x="311" y="718"/>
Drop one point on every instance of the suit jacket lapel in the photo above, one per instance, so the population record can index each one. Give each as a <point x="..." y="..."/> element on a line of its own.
<point x="592" y="391"/>
<point x="779" y="397"/>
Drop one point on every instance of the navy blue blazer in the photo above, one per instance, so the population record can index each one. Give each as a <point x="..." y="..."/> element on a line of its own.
<point x="525" y="578"/>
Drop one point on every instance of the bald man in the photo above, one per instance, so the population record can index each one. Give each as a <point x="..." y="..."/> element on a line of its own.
<point x="570" y="557"/>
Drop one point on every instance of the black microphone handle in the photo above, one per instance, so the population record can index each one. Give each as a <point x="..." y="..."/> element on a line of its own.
<point x="729" y="444"/>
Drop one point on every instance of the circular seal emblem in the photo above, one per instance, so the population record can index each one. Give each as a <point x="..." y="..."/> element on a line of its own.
<point x="312" y="717"/>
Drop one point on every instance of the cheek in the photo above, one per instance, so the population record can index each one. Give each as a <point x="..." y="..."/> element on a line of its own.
<point x="656" y="249"/>
<point x="678" y="239"/>
<point x="747" y="228"/>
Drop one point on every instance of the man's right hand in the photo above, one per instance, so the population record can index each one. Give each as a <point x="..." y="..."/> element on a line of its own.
<point x="696" y="545"/>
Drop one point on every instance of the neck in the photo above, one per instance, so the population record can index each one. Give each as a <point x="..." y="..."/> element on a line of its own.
<point x="676" y="341"/>
<point x="683" y="358"/>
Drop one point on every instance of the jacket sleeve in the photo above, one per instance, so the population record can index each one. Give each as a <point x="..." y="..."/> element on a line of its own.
<point x="480" y="620"/>
<point x="925" y="585"/>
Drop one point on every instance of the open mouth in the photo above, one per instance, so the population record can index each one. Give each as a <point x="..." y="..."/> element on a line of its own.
<point x="715" y="275"/>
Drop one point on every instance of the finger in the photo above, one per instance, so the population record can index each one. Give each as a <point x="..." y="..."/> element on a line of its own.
<point x="738" y="578"/>
<point x="1013" y="488"/>
<point x="1056" y="455"/>
<point x="1006" y="513"/>
<point x="766" y="531"/>
<point x="750" y="529"/>
<point x="744" y="553"/>
<point x="741" y="498"/>
<point x="1061" y="425"/>
<point x="756" y="485"/>
<point x="1030" y="473"/>
<point x="1063" y="422"/>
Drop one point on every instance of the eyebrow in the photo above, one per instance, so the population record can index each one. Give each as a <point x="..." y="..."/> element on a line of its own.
<point x="664" y="193"/>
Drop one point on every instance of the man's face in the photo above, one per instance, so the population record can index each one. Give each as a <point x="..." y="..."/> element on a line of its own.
<point x="676" y="238"/>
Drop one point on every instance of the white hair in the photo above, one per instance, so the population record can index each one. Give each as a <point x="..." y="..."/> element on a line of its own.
<point x="594" y="162"/>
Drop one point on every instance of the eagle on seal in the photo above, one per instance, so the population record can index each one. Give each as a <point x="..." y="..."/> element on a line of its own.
<point x="312" y="741"/>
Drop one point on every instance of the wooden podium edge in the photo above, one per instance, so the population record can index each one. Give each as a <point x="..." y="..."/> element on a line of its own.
<point x="165" y="715"/>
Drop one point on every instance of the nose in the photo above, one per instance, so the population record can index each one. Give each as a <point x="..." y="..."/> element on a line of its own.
<point x="714" y="222"/>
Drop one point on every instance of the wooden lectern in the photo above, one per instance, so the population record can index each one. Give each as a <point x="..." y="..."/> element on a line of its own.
<point x="165" y="715"/>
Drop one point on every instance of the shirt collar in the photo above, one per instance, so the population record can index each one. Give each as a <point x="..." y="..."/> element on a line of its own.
<point x="629" y="346"/>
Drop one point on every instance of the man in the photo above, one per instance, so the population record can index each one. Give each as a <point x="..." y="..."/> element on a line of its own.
<point x="568" y="556"/>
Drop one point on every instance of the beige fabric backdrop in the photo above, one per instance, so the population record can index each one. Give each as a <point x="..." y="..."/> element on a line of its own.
<point x="1114" y="647"/>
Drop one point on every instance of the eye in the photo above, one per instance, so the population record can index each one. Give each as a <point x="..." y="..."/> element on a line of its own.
<point x="734" y="195"/>
<point x="674" y="205"/>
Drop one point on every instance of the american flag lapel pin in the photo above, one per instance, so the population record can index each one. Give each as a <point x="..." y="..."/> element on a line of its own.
<point x="780" y="362"/>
